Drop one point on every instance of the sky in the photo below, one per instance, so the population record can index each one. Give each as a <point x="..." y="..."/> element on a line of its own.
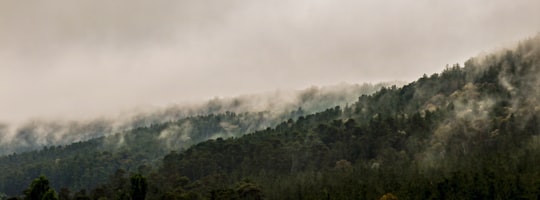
<point x="64" y="59"/>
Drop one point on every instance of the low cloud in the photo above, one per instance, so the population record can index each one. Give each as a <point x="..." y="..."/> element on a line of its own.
<point x="268" y="108"/>
<point x="67" y="60"/>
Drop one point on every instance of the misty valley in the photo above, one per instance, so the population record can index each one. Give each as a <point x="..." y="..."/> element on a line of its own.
<point x="469" y="132"/>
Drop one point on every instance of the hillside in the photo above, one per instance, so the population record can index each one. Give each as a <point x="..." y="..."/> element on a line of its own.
<point x="101" y="152"/>
<point x="469" y="132"/>
<point x="276" y="106"/>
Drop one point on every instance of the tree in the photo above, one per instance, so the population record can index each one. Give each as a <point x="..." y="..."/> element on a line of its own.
<point x="50" y="195"/>
<point x="248" y="190"/>
<point x="138" y="187"/>
<point x="40" y="190"/>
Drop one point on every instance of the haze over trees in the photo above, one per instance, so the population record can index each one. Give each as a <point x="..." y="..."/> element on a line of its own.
<point x="153" y="135"/>
<point x="271" y="107"/>
<point x="469" y="132"/>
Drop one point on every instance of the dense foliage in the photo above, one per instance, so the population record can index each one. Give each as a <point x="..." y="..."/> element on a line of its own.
<point x="273" y="106"/>
<point x="469" y="132"/>
<point x="85" y="164"/>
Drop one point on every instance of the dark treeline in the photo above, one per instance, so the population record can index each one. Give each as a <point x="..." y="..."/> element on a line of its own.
<point x="469" y="132"/>
<point x="86" y="164"/>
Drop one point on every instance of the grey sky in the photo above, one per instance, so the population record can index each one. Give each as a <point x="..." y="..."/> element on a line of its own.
<point x="81" y="59"/>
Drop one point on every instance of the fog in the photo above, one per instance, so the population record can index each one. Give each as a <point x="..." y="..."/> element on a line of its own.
<point x="76" y="60"/>
<point x="255" y="112"/>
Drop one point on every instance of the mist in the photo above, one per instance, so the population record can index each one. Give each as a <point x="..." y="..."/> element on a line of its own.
<point x="270" y="108"/>
<point x="84" y="60"/>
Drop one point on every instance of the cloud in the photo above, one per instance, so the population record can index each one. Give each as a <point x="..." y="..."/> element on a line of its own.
<point x="82" y="59"/>
<point x="254" y="112"/>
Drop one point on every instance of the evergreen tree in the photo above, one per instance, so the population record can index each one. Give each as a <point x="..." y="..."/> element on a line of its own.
<point x="138" y="187"/>
<point x="40" y="190"/>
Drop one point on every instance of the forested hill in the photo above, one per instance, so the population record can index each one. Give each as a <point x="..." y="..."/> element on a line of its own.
<point x="275" y="106"/>
<point x="469" y="132"/>
<point x="100" y="151"/>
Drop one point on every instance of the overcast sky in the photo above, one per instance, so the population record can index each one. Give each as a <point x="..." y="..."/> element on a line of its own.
<point x="81" y="59"/>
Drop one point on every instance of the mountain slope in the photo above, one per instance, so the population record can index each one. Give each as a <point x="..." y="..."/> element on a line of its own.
<point x="276" y="106"/>
<point x="468" y="132"/>
<point x="85" y="164"/>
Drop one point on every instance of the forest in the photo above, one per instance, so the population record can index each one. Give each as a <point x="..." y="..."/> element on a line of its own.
<point x="270" y="107"/>
<point x="469" y="132"/>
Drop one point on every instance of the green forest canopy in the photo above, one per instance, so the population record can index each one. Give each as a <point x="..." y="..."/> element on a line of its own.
<point x="469" y="132"/>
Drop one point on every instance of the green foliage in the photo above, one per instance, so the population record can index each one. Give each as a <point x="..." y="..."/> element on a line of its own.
<point x="248" y="190"/>
<point x="139" y="187"/>
<point x="470" y="132"/>
<point x="50" y="195"/>
<point x="40" y="190"/>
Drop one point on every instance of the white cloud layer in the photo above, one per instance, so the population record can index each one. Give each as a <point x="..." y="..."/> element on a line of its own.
<point x="82" y="59"/>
